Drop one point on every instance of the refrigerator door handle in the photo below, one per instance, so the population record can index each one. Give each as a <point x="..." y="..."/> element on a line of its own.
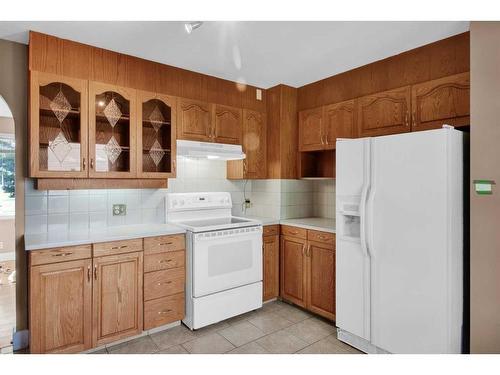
<point x="362" y="214"/>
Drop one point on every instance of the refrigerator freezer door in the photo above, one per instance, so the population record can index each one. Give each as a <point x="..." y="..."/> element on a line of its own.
<point x="416" y="302"/>
<point x="352" y="261"/>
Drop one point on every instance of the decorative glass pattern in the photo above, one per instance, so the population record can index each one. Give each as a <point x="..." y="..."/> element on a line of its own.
<point x="156" y="152"/>
<point x="60" y="106"/>
<point x="60" y="147"/>
<point x="112" y="113"/>
<point x="113" y="150"/>
<point x="156" y="119"/>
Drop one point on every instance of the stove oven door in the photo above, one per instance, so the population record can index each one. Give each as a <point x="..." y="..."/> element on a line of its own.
<point x="226" y="259"/>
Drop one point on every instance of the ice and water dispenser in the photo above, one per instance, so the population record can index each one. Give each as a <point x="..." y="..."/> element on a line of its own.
<point x="350" y="226"/>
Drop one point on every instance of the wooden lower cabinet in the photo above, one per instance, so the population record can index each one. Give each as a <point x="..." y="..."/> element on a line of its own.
<point x="117" y="297"/>
<point x="271" y="266"/>
<point x="61" y="307"/>
<point x="293" y="269"/>
<point x="321" y="279"/>
<point x="86" y="296"/>
<point x="308" y="270"/>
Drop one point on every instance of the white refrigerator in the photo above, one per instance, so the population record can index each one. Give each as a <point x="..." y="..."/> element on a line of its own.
<point x="399" y="266"/>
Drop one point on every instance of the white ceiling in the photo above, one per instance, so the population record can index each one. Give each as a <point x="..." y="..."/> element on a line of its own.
<point x="258" y="53"/>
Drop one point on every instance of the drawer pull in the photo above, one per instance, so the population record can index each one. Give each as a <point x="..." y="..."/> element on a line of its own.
<point x="165" y="243"/>
<point x="61" y="254"/>
<point x="165" y="283"/>
<point x="294" y="232"/>
<point x="119" y="247"/>
<point x="165" y="261"/>
<point x="164" y="312"/>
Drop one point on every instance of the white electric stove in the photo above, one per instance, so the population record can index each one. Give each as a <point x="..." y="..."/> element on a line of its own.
<point x="224" y="257"/>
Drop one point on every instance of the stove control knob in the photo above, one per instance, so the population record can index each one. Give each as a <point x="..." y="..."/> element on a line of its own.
<point x="182" y="202"/>
<point x="174" y="203"/>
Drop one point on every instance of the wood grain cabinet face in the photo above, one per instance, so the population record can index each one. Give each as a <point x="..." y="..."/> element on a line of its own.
<point x="254" y="147"/>
<point x="112" y="131"/>
<point x="293" y="270"/>
<point x="321" y="279"/>
<point x="117" y="297"/>
<point x="441" y="101"/>
<point x="58" y="126"/>
<point x="61" y="307"/>
<point x="227" y="124"/>
<point x="271" y="267"/>
<point x="194" y="122"/>
<point x="338" y="122"/>
<point x="311" y="136"/>
<point x="384" y="113"/>
<point x="156" y="135"/>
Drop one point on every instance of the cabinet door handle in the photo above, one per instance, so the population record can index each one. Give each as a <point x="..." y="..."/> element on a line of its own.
<point x="164" y="312"/>
<point x="308" y="251"/>
<point x="303" y="249"/>
<point x="84" y="164"/>
<point x="88" y="274"/>
<point x="91" y="163"/>
<point x="165" y="283"/>
<point x="61" y="254"/>
<point x="165" y="243"/>
<point x="164" y="261"/>
<point x="407" y="119"/>
<point x="95" y="271"/>
<point x="119" y="247"/>
<point x="413" y="122"/>
<point x="326" y="138"/>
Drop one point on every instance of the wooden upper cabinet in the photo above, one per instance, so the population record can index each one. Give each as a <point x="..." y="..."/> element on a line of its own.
<point x="254" y="146"/>
<point x="156" y="135"/>
<point x="321" y="279"/>
<point x="384" y="113"/>
<point x="227" y="124"/>
<point x="271" y="267"/>
<point x="310" y="130"/>
<point x="293" y="270"/>
<point x="441" y="101"/>
<point x="58" y="126"/>
<point x="117" y="297"/>
<point x="338" y="122"/>
<point x="61" y="307"/>
<point x="194" y="122"/>
<point x="112" y="131"/>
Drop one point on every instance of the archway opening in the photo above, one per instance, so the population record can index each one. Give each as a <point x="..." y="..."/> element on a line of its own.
<point x="7" y="226"/>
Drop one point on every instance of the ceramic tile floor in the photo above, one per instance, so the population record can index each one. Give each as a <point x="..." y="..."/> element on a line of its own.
<point x="276" y="328"/>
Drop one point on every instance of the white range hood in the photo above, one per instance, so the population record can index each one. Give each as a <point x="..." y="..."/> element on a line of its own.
<point x="206" y="150"/>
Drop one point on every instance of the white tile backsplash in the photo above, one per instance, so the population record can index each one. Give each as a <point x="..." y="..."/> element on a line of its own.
<point x="82" y="209"/>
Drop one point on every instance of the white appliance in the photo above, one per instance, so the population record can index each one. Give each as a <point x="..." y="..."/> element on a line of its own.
<point x="399" y="266"/>
<point x="209" y="150"/>
<point x="224" y="257"/>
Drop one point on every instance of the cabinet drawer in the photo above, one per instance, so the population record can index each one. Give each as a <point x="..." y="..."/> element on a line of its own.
<point x="271" y="230"/>
<point x="163" y="283"/>
<point x="60" y="254"/>
<point x="294" y="231"/>
<point x="117" y="247"/>
<point x="161" y="244"/>
<point x="163" y="310"/>
<point x="325" y="237"/>
<point x="163" y="261"/>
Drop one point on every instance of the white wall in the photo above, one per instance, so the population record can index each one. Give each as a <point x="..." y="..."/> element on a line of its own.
<point x="92" y="209"/>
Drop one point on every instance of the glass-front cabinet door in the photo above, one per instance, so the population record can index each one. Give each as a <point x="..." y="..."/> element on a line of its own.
<point x="156" y="135"/>
<point x="112" y="131"/>
<point x="58" y="126"/>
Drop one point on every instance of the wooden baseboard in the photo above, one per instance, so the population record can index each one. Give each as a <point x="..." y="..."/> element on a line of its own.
<point x="98" y="183"/>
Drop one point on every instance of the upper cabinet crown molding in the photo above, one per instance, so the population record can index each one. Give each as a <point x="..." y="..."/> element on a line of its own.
<point x="441" y="101"/>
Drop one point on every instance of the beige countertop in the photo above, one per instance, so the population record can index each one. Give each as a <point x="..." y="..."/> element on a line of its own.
<point x="72" y="238"/>
<point x="315" y="223"/>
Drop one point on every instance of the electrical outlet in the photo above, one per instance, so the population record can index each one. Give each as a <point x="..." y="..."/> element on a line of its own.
<point x="248" y="204"/>
<point x="119" y="209"/>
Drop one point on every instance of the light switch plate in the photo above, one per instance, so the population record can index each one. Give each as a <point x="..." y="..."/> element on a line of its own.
<point x="119" y="209"/>
<point x="258" y="94"/>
